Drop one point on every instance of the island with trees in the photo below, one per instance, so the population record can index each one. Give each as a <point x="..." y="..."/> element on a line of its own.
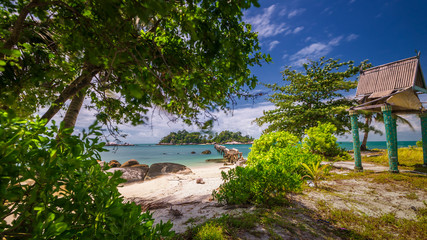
<point x="184" y="137"/>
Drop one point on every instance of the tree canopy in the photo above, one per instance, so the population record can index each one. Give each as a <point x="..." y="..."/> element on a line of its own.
<point x="315" y="95"/>
<point x="184" y="57"/>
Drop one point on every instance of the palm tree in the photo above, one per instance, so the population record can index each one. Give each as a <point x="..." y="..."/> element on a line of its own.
<point x="378" y="117"/>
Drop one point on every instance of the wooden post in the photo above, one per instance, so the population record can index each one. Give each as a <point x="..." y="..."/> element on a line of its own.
<point x="423" y="117"/>
<point x="356" y="141"/>
<point x="391" y="139"/>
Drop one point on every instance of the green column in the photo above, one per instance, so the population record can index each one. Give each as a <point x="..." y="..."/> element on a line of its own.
<point x="391" y="139"/>
<point x="356" y="141"/>
<point x="423" y="117"/>
<point x="394" y="127"/>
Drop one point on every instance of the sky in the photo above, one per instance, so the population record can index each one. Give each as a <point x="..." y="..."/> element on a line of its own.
<point x="293" y="31"/>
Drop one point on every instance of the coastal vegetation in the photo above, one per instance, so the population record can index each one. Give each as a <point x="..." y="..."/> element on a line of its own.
<point x="184" y="137"/>
<point x="317" y="94"/>
<point x="126" y="57"/>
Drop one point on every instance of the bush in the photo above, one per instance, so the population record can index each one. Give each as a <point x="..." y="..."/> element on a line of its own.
<point x="269" y="176"/>
<point x="268" y="141"/>
<point x="419" y="144"/>
<point x="320" y="140"/>
<point x="55" y="189"/>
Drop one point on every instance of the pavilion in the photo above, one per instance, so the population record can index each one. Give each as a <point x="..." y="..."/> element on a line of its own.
<point x="391" y="88"/>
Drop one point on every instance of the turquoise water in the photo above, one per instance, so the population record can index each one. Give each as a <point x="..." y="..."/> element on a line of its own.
<point x="151" y="153"/>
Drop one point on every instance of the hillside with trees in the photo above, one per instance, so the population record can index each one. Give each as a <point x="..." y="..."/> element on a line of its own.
<point x="185" y="137"/>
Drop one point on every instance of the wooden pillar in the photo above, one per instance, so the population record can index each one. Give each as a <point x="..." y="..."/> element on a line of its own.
<point x="391" y="139"/>
<point x="356" y="141"/>
<point x="423" y="117"/>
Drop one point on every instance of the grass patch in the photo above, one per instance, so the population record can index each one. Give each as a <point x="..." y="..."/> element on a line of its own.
<point x="386" y="226"/>
<point x="410" y="158"/>
<point x="392" y="180"/>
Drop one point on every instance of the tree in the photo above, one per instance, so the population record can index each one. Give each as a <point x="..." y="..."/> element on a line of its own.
<point x="185" y="57"/>
<point x="378" y="117"/>
<point x="315" y="95"/>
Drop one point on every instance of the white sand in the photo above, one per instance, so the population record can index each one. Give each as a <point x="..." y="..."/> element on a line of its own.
<point x="182" y="193"/>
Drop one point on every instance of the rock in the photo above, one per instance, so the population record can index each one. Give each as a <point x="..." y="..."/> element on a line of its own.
<point x="159" y="169"/>
<point x="206" y="152"/>
<point x="145" y="167"/>
<point x="130" y="163"/>
<point x="217" y="160"/>
<point x="114" y="163"/>
<point x="193" y="152"/>
<point x="131" y="174"/>
<point x="101" y="163"/>
<point x="200" y="181"/>
<point x="241" y="162"/>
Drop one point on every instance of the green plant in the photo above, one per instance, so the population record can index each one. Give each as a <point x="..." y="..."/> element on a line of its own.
<point x="419" y="143"/>
<point x="315" y="171"/>
<point x="53" y="187"/>
<point x="210" y="231"/>
<point x="271" y="173"/>
<point x="320" y="140"/>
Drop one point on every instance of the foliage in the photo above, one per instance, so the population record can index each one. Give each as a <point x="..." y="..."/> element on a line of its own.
<point x="184" y="137"/>
<point x="266" y="179"/>
<point x="320" y="140"/>
<point x="317" y="94"/>
<point x="315" y="171"/>
<point x="56" y="190"/>
<point x="267" y="142"/>
<point x="185" y="57"/>
<point x="210" y="231"/>
<point x="419" y="143"/>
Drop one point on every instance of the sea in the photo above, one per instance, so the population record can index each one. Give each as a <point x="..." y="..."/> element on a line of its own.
<point x="182" y="154"/>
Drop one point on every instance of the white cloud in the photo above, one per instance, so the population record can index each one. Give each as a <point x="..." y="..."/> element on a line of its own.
<point x="352" y="37"/>
<point x="298" y="29"/>
<point x="264" y="25"/>
<point x="314" y="51"/>
<point x="296" y="12"/>
<point x="272" y="45"/>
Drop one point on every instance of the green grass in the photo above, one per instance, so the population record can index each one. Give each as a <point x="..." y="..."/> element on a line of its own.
<point x="409" y="159"/>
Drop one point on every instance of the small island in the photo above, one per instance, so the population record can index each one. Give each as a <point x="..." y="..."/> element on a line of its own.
<point x="184" y="137"/>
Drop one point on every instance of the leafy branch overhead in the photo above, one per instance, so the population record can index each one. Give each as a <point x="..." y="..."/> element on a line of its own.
<point x="316" y="94"/>
<point x="185" y="57"/>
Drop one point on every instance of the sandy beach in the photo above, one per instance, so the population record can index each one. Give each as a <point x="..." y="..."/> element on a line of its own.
<point x="179" y="197"/>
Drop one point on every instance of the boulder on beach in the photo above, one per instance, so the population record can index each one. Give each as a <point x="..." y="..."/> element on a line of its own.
<point x="206" y="152"/>
<point x="114" y="164"/>
<point x="131" y="174"/>
<point x="130" y="163"/>
<point x="159" y="169"/>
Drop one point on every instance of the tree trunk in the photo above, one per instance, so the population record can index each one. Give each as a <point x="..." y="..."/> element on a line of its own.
<point x="71" y="90"/>
<point x="368" y="121"/>
<point x="74" y="109"/>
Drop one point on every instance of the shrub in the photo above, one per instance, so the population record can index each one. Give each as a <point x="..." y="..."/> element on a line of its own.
<point x="55" y="189"/>
<point x="419" y="144"/>
<point x="268" y="141"/>
<point x="320" y="140"/>
<point x="267" y="178"/>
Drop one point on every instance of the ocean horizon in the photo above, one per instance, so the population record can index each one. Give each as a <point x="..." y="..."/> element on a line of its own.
<point x="182" y="154"/>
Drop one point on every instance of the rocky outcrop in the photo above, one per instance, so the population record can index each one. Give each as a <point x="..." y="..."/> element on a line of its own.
<point x="232" y="155"/>
<point x="159" y="169"/>
<point x="130" y="163"/>
<point x="114" y="164"/>
<point x="207" y="152"/>
<point x="131" y="174"/>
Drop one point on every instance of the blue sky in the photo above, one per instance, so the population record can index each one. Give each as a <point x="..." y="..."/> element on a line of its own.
<point x="296" y="30"/>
